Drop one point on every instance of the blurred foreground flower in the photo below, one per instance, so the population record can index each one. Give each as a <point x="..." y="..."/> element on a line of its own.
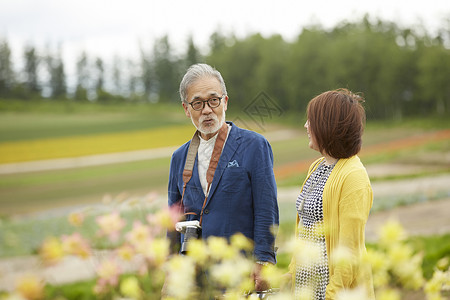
<point x="355" y="294"/>
<point x="31" y="287"/>
<point x="440" y="281"/>
<point x="342" y="256"/>
<point x="158" y="251"/>
<point x="126" y="252"/>
<point x="166" y="218"/>
<point x="219" y="248"/>
<point x="110" y="225"/>
<point x="199" y="251"/>
<point x="108" y="275"/>
<point x="180" y="277"/>
<point x="230" y="273"/>
<point x="76" y="219"/>
<point x="129" y="287"/>
<point x="75" y="244"/>
<point x="241" y="242"/>
<point x="139" y="236"/>
<point x="51" y="251"/>
<point x="391" y="232"/>
<point x="388" y="294"/>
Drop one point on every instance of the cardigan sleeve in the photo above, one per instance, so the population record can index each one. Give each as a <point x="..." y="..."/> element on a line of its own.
<point x="353" y="213"/>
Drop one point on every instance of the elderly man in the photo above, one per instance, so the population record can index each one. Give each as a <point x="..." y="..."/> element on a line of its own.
<point x="224" y="177"/>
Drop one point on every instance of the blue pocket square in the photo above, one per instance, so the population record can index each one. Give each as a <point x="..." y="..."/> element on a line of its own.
<point x="233" y="164"/>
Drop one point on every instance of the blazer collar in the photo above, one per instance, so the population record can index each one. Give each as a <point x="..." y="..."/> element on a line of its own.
<point x="231" y="145"/>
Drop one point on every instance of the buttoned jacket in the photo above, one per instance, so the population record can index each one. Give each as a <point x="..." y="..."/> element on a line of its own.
<point x="242" y="196"/>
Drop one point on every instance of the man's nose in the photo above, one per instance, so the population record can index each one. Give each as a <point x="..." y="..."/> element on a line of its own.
<point x="206" y="109"/>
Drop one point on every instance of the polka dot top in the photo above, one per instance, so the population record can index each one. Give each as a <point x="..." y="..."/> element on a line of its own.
<point x="312" y="274"/>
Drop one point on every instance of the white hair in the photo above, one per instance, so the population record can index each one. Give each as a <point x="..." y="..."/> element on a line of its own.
<point x="198" y="71"/>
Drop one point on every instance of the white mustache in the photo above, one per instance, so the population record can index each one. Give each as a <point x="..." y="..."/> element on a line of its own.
<point x="208" y="117"/>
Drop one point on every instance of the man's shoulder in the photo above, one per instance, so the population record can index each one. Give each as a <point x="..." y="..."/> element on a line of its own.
<point x="182" y="150"/>
<point x="249" y="135"/>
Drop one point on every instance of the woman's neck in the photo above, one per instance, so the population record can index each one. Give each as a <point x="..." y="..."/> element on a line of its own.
<point x="329" y="160"/>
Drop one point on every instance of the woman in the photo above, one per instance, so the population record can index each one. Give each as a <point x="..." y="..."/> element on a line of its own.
<point x="335" y="199"/>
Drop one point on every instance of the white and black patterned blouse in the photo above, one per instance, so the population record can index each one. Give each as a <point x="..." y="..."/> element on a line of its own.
<point x="313" y="275"/>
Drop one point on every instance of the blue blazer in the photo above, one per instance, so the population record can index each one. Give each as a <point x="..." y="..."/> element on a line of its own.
<point x="243" y="194"/>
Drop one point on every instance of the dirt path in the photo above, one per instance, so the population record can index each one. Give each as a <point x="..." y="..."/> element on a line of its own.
<point x="427" y="218"/>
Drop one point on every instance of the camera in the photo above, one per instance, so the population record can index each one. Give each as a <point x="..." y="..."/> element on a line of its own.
<point x="191" y="230"/>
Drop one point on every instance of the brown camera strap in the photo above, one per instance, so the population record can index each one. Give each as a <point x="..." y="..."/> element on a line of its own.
<point x="190" y="160"/>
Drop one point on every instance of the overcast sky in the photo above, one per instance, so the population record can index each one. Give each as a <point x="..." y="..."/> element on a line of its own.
<point x="118" y="27"/>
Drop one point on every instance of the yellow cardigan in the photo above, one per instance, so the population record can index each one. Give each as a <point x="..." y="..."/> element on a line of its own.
<point x="347" y="200"/>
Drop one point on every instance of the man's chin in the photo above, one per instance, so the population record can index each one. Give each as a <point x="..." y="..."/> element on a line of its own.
<point x="209" y="128"/>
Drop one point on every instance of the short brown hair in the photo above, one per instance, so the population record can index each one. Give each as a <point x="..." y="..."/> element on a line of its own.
<point x="336" y="119"/>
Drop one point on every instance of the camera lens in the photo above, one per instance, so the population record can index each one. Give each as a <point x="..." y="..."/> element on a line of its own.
<point x="192" y="232"/>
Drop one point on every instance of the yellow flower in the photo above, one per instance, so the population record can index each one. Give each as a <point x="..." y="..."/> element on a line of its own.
<point x="443" y="263"/>
<point x="139" y="234"/>
<point x="354" y="294"/>
<point x="129" y="287"/>
<point x="273" y="275"/>
<point x="306" y="253"/>
<point x="234" y="295"/>
<point x="51" y="251"/>
<point x="198" y="250"/>
<point x="288" y="296"/>
<point x="399" y="253"/>
<point x="381" y="278"/>
<point x="30" y="287"/>
<point x="13" y="296"/>
<point x="377" y="259"/>
<point x="166" y="218"/>
<point x="305" y="293"/>
<point x="76" y="219"/>
<point x="342" y="256"/>
<point x="231" y="272"/>
<point x="225" y="273"/>
<point x="219" y="248"/>
<point x="160" y="250"/>
<point x="388" y="294"/>
<point x="241" y="242"/>
<point x="110" y="225"/>
<point x="180" y="277"/>
<point x="108" y="272"/>
<point x="75" y="244"/>
<point x="391" y="232"/>
<point x="436" y="283"/>
<point x="125" y="252"/>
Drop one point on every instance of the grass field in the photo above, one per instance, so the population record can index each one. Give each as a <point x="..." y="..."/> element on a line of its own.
<point x="65" y="130"/>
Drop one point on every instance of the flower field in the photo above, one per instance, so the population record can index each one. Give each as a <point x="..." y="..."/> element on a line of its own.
<point x="141" y="243"/>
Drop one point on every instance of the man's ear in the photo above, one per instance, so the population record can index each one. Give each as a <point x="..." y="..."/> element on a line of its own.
<point x="186" y="110"/>
<point x="225" y="103"/>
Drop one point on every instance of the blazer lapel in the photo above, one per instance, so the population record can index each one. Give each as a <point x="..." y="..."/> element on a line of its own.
<point x="231" y="145"/>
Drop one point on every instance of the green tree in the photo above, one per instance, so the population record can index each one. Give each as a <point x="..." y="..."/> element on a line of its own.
<point x="57" y="81"/>
<point x="83" y="78"/>
<point x="433" y="79"/>
<point x="193" y="55"/>
<point x="165" y="70"/>
<point x="7" y="76"/>
<point x="100" y="79"/>
<point x="31" y="71"/>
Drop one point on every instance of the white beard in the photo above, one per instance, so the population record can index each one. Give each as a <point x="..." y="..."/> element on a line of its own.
<point x="209" y="129"/>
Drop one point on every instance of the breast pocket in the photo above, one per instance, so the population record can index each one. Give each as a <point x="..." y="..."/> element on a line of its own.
<point x="235" y="180"/>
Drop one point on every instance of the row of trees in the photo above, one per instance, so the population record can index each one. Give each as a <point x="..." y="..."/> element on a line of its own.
<point x="399" y="71"/>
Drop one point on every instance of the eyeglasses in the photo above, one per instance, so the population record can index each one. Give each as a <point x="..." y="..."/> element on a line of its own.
<point x="200" y="104"/>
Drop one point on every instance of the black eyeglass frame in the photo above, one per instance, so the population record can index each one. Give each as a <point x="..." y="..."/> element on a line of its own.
<point x="206" y="101"/>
